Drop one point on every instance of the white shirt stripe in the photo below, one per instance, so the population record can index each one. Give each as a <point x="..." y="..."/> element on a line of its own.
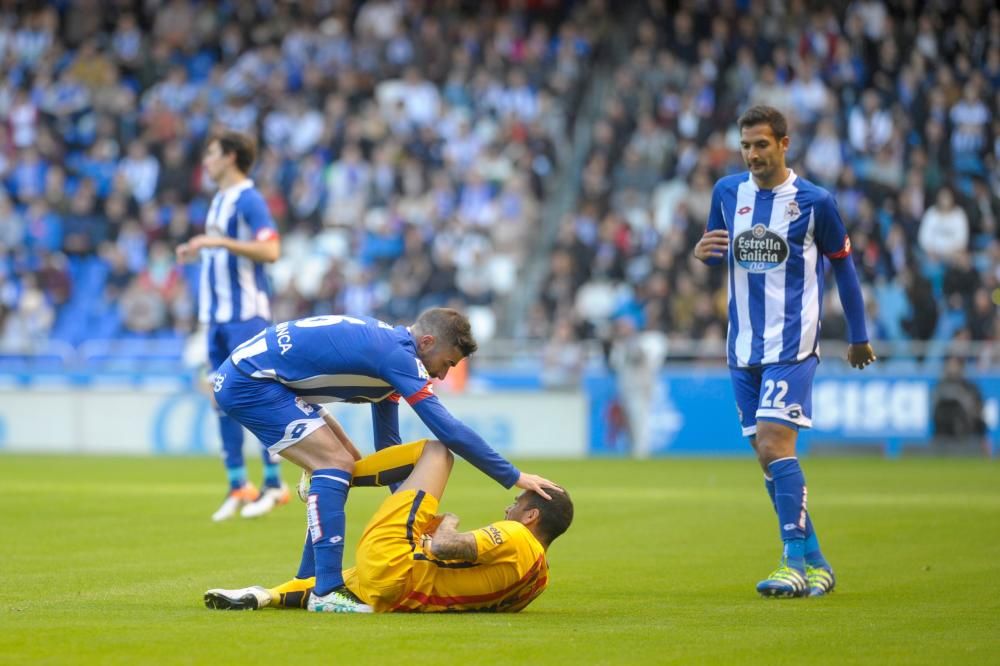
<point x="774" y="280"/>
<point x="746" y="197"/>
<point x="322" y="381"/>
<point x="810" y="291"/>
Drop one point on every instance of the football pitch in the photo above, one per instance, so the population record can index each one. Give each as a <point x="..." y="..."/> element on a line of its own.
<point x="104" y="561"/>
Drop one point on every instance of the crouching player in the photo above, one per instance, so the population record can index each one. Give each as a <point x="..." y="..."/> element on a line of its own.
<point x="410" y="559"/>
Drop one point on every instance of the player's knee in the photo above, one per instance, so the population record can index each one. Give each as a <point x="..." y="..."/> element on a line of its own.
<point x="338" y="459"/>
<point x="774" y="442"/>
<point x="440" y="452"/>
<point x="346" y="463"/>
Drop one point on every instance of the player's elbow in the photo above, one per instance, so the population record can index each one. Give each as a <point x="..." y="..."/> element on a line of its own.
<point x="271" y="252"/>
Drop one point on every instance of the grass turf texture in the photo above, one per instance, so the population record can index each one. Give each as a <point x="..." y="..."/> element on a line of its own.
<point x="104" y="560"/>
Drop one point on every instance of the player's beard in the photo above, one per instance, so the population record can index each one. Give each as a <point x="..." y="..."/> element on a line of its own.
<point x="761" y="170"/>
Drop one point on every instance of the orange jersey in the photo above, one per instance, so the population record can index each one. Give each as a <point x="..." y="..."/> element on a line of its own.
<point x="394" y="573"/>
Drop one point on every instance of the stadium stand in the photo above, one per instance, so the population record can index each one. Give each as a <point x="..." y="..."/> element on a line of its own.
<point x="404" y="149"/>
<point x="892" y="107"/>
<point x="409" y="151"/>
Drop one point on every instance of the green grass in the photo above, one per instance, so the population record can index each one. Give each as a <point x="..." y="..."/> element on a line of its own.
<point x="104" y="560"/>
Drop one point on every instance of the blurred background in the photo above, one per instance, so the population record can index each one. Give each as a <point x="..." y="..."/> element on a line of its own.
<point x="544" y="166"/>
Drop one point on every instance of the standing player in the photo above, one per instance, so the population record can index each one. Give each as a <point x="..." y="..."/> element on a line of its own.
<point x="240" y="237"/>
<point x="775" y="228"/>
<point x="271" y="382"/>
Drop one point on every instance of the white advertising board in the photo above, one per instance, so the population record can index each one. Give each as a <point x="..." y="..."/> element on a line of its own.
<point x="142" y="420"/>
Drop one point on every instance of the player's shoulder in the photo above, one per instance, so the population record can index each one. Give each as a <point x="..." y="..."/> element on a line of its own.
<point x="395" y="343"/>
<point x="250" y="196"/>
<point x="504" y="531"/>
<point x="397" y="334"/>
<point x="517" y="537"/>
<point x="811" y="191"/>
<point x="513" y="529"/>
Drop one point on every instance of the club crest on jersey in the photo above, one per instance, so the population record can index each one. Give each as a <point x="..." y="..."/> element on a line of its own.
<point x="758" y="249"/>
<point x="792" y="210"/>
<point x="421" y="370"/>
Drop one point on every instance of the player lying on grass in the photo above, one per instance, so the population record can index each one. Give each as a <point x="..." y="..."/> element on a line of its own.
<point x="272" y="382"/>
<point x="410" y="559"/>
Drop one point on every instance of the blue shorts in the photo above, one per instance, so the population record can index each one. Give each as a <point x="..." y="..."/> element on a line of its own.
<point x="268" y="409"/>
<point x="778" y="392"/>
<point x="224" y="338"/>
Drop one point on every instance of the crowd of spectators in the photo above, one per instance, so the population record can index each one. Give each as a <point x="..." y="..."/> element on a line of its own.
<point x="893" y="106"/>
<point x="404" y="147"/>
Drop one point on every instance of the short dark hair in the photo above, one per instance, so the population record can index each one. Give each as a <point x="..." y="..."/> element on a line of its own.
<point x="555" y="515"/>
<point x="243" y="146"/>
<point x="449" y="326"/>
<point x="765" y="115"/>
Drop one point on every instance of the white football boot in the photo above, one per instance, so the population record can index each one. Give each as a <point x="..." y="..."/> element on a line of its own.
<point x="245" y="598"/>
<point x="269" y="499"/>
<point x="234" y="500"/>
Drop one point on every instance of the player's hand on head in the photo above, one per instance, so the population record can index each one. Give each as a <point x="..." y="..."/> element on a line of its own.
<point x="537" y="484"/>
<point x="861" y="355"/>
<point x="713" y="245"/>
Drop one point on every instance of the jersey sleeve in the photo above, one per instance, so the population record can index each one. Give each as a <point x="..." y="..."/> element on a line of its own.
<point x="464" y="441"/>
<point x="831" y="234"/>
<point x="385" y="422"/>
<point x="254" y="210"/>
<point x="716" y="217"/>
<point x="497" y="542"/>
<point x="407" y="375"/>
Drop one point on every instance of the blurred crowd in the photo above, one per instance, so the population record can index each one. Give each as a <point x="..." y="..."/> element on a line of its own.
<point x="404" y="148"/>
<point x="892" y="106"/>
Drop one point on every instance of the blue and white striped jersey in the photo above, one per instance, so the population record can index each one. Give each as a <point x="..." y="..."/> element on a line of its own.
<point x="234" y="288"/>
<point x="336" y="358"/>
<point x="775" y="268"/>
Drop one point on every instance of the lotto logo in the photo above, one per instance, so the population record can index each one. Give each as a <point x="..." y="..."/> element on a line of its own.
<point x="218" y="382"/>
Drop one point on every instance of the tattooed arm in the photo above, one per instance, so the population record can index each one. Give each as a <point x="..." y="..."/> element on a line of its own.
<point x="448" y="544"/>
